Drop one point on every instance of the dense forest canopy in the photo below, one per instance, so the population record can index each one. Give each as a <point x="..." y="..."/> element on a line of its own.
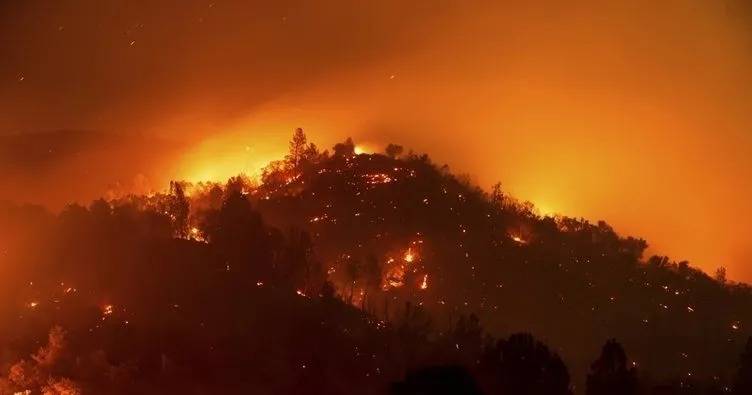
<point x="340" y="270"/>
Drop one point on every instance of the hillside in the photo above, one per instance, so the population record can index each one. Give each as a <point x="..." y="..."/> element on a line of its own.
<point x="198" y="279"/>
<point x="570" y="282"/>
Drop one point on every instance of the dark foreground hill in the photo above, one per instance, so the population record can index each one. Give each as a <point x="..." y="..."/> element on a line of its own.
<point x="342" y="273"/>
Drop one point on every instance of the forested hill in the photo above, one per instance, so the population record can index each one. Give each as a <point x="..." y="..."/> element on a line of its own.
<point x="383" y="230"/>
<point x="573" y="283"/>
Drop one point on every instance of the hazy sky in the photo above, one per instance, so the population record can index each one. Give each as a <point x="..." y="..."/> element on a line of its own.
<point x="634" y="112"/>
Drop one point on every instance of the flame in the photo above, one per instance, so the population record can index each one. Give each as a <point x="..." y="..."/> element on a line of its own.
<point x="195" y="234"/>
<point x="424" y="283"/>
<point x="409" y="256"/>
<point x="359" y="149"/>
<point x="395" y="273"/>
<point x="378" y="178"/>
<point x="107" y="309"/>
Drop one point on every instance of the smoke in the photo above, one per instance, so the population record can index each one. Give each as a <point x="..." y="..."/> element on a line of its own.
<point x="632" y="112"/>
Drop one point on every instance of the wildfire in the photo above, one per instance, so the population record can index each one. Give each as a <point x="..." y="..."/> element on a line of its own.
<point x="33" y="304"/>
<point x="517" y="239"/>
<point x="377" y="178"/>
<point x="195" y="234"/>
<point x="424" y="283"/>
<point x="359" y="149"/>
<point x="395" y="274"/>
<point x="409" y="256"/>
<point x="107" y="309"/>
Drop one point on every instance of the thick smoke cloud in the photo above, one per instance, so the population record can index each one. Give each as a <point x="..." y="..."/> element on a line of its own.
<point x="637" y="113"/>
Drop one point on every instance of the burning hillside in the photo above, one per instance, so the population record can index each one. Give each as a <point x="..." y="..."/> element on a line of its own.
<point x="398" y="255"/>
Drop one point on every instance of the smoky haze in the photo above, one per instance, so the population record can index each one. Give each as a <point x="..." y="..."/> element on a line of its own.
<point x="636" y="113"/>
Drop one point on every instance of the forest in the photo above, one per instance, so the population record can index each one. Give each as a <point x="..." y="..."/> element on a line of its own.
<point x="338" y="272"/>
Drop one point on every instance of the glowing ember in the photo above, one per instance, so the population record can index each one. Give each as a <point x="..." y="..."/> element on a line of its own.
<point x="517" y="239"/>
<point x="409" y="255"/>
<point x="300" y="293"/>
<point x="33" y="304"/>
<point x="424" y="283"/>
<point x="394" y="276"/>
<point x="318" y="218"/>
<point x="378" y="178"/>
<point x="107" y="310"/>
<point x="195" y="234"/>
<point x="393" y="283"/>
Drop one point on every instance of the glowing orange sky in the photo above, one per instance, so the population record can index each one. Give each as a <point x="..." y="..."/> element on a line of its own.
<point x="633" y="112"/>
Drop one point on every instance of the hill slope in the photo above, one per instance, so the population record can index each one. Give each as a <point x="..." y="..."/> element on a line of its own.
<point x="187" y="267"/>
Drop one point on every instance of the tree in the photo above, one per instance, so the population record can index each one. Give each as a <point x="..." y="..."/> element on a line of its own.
<point x="468" y="337"/>
<point x="274" y="174"/>
<point x="50" y="354"/>
<point x="609" y="374"/>
<point x="345" y="149"/>
<point x="720" y="275"/>
<point x="179" y="208"/>
<point x="372" y="274"/>
<point x="328" y="292"/>
<point x="393" y="150"/>
<point x="497" y="195"/>
<point x="42" y="375"/>
<point x="743" y="378"/>
<point x="240" y="235"/>
<point x="298" y="146"/>
<point x="523" y="366"/>
<point x="353" y="270"/>
<point x="437" y="380"/>
<point x="62" y="386"/>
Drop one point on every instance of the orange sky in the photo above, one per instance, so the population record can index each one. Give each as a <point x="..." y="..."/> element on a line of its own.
<point x="633" y="112"/>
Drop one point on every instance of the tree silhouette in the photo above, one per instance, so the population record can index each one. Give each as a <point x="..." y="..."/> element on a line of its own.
<point x="609" y="374"/>
<point x="372" y="274"/>
<point x="179" y="207"/>
<point x="298" y="146"/>
<point x="468" y="338"/>
<point x="354" y="271"/>
<point x="437" y="380"/>
<point x="521" y="365"/>
<point x="743" y="378"/>
<point x="393" y="150"/>
<point x="345" y="149"/>
<point x="720" y="275"/>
